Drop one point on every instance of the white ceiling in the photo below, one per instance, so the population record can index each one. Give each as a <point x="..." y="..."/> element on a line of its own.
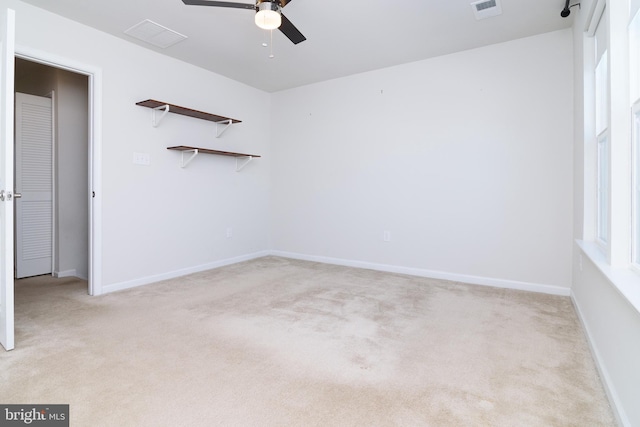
<point x="344" y="37"/>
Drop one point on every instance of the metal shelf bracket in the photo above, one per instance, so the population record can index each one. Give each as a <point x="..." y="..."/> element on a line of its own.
<point x="155" y="119"/>
<point x="226" y="124"/>
<point x="246" y="161"/>
<point x="183" y="162"/>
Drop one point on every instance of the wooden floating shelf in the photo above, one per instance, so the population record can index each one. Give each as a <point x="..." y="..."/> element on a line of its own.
<point x="208" y="151"/>
<point x="176" y="109"/>
<point x="196" y="150"/>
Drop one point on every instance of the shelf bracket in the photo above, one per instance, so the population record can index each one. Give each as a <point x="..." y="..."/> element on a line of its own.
<point x="246" y="161"/>
<point x="226" y="124"/>
<point x="155" y="120"/>
<point x="183" y="162"/>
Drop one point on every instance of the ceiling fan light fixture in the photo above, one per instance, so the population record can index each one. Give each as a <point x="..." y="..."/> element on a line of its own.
<point x="268" y="16"/>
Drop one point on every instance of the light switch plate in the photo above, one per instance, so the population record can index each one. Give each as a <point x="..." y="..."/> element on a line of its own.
<point x="141" y="159"/>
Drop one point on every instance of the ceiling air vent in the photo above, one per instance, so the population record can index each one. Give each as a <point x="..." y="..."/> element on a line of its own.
<point x="155" y="34"/>
<point x="486" y="8"/>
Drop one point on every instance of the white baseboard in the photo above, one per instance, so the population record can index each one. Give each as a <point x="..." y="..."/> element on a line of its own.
<point x="474" y="280"/>
<point x="433" y="274"/>
<point x="182" y="272"/>
<point x="65" y="273"/>
<point x="612" y="394"/>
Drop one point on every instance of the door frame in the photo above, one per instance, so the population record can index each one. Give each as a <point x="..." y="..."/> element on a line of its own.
<point x="7" y="86"/>
<point x="94" y="197"/>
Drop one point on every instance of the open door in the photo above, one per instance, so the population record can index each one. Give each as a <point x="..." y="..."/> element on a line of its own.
<point x="7" y="54"/>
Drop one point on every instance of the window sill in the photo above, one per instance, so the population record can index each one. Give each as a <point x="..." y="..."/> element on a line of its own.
<point x="625" y="280"/>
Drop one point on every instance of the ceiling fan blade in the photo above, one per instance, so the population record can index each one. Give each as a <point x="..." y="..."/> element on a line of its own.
<point x="289" y="30"/>
<point x="283" y="3"/>
<point x="219" y="4"/>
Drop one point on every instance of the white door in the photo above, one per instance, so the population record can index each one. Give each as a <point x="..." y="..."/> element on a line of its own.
<point x="7" y="42"/>
<point x="34" y="175"/>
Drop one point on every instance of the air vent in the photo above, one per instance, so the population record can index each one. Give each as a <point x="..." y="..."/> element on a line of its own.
<point x="486" y="8"/>
<point x="155" y="34"/>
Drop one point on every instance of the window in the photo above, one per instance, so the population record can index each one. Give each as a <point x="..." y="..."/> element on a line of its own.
<point x="634" y="57"/>
<point x="636" y="185"/>
<point x="611" y="219"/>
<point x="634" y="86"/>
<point x="602" y="134"/>
<point x="602" y="196"/>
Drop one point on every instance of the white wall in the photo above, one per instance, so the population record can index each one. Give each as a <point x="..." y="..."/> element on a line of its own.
<point x="72" y="184"/>
<point x="160" y="219"/>
<point x="613" y="329"/>
<point x="465" y="159"/>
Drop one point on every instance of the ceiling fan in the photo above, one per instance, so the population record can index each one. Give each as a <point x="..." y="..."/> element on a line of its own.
<point x="268" y="15"/>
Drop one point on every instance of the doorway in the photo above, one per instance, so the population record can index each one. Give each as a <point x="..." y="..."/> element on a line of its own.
<point x="69" y="180"/>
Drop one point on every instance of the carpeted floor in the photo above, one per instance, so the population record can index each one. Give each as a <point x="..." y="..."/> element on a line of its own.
<point x="279" y="342"/>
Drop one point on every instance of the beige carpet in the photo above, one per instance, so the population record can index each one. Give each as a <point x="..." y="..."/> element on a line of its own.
<point x="278" y="342"/>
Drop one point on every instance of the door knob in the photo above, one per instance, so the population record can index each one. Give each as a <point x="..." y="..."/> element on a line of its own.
<point x="7" y="195"/>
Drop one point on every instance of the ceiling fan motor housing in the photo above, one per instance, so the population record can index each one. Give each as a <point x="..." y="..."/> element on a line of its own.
<point x="268" y="16"/>
<point x="268" y="5"/>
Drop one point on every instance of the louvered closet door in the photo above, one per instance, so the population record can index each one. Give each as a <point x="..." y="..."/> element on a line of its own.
<point x="34" y="176"/>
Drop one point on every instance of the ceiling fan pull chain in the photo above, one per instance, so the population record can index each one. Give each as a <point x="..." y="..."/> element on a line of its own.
<point x="271" y="55"/>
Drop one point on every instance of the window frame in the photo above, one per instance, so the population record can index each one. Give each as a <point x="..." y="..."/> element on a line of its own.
<point x="603" y="147"/>
<point x="635" y="203"/>
<point x="603" y="209"/>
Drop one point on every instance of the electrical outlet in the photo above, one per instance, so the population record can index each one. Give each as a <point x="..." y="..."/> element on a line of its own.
<point x="386" y="236"/>
<point x="141" y="159"/>
<point x="229" y="232"/>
